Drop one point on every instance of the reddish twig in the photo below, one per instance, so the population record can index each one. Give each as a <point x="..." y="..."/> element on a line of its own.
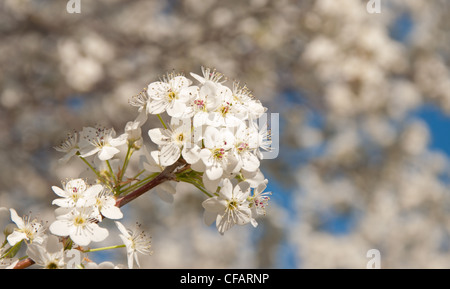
<point x="166" y="175"/>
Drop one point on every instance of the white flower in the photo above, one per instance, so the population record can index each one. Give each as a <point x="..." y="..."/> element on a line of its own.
<point x="246" y="140"/>
<point x="49" y="254"/>
<point x="170" y="95"/>
<point x="175" y="142"/>
<point x="253" y="178"/>
<point x="216" y="155"/>
<point x="246" y="106"/>
<point x="201" y="103"/>
<point x="230" y="207"/>
<point x="209" y="75"/>
<point x="101" y="141"/>
<point x="7" y="263"/>
<point x="105" y="204"/>
<point x="80" y="224"/>
<point x="264" y="140"/>
<point x="69" y="146"/>
<point x="259" y="201"/>
<point x="140" y="100"/>
<point x="76" y="193"/>
<point x="135" y="242"/>
<point x="27" y="229"/>
<point x="134" y="131"/>
<point x="224" y="114"/>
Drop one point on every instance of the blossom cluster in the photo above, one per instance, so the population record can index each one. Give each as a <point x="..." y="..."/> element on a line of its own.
<point x="214" y="129"/>
<point x="212" y="141"/>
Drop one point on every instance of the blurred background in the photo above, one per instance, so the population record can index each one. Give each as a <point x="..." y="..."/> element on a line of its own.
<point x="363" y="101"/>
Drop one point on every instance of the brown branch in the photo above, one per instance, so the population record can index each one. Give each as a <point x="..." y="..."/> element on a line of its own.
<point x="24" y="263"/>
<point x="166" y="175"/>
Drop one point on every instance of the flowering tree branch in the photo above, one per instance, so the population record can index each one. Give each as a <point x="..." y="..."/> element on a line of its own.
<point x="212" y="142"/>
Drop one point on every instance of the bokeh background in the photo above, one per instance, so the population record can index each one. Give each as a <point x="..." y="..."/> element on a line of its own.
<point x="363" y="101"/>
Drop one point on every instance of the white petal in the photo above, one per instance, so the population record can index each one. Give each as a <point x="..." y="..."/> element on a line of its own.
<point x="211" y="137"/>
<point x="16" y="219"/>
<point x="36" y="252"/>
<point x="99" y="234"/>
<point x="250" y="162"/>
<point x="214" y="205"/>
<point x="93" y="191"/>
<point x="60" y="192"/>
<point x="156" y="106"/>
<point x="80" y="237"/>
<point x="222" y="224"/>
<point x="64" y="202"/>
<point x="205" y="155"/>
<point x="176" y="109"/>
<point x="122" y="229"/>
<point x="88" y="151"/>
<point x="227" y="189"/>
<point x="198" y="77"/>
<point x="112" y="212"/>
<point x="244" y="216"/>
<point x="200" y="118"/>
<point x="191" y="155"/>
<point x="118" y="141"/>
<point x="214" y="172"/>
<point x="211" y="185"/>
<point x="107" y="152"/>
<point x="16" y="237"/>
<point x="159" y="136"/>
<point x="169" y="154"/>
<point x="60" y="228"/>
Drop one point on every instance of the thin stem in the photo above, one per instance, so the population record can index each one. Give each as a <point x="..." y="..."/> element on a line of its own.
<point x="162" y="121"/>
<point x="125" y="163"/>
<point x="137" y="184"/>
<point x="104" y="248"/>
<point x="91" y="167"/>
<point x="111" y="171"/>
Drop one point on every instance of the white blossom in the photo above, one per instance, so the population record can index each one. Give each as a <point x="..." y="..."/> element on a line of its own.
<point x="49" y="254"/>
<point x="170" y="95"/>
<point x="230" y="207"/>
<point x="80" y="224"/>
<point x="76" y="192"/>
<point x="102" y="141"/>
<point x="27" y="229"/>
<point x="136" y="242"/>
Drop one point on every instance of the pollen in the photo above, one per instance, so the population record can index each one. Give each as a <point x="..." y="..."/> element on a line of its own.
<point x="79" y="221"/>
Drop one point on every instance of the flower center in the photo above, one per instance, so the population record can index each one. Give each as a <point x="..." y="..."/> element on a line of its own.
<point x="224" y="109"/>
<point x="200" y="104"/>
<point x="232" y="204"/>
<point x="52" y="265"/>
<point x="242" y="146"/>
<point x="171" y="96"/>
<point x="79" y="221"/>
<point x="218" y="153"/>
